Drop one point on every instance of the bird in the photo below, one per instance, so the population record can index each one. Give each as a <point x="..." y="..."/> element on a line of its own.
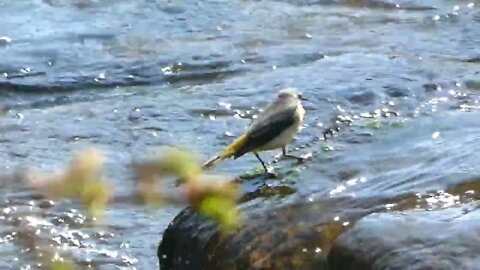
<point x="274" y="128"/>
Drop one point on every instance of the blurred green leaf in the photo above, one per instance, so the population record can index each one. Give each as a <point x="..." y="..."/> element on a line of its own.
<point x="81" y="181"/>
<point x="210" y="195"/>
<point x="176" y="161"/>
<point x="222" y="210"/>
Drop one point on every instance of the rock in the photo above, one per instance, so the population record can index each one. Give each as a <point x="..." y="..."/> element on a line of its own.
<point x="295" y="235"/>
<point x="440" y="239"/>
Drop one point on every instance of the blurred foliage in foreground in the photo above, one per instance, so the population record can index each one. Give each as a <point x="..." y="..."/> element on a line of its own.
<point x="81" y="180"/>
<point x="210" y="195"/>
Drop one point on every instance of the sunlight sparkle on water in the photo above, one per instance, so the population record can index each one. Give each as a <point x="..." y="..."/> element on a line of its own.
<point x="352" y="182"/>
<point x="226" y="105"/>
<point x="337" y="190"/>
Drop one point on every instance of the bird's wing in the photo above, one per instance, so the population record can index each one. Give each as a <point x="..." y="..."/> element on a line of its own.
<point x="267" y="111"/>
<point x="266" y="130"/>
<point x="272" y="108"/>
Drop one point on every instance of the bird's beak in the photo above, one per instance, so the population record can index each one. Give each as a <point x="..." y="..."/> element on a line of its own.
<point x="302" y="97"/>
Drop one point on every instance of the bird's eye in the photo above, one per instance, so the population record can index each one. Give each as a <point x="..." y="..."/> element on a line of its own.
<point x="300" y="96"/>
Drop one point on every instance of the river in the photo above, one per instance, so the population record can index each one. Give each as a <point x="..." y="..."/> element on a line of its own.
<point x="127" y="76"/>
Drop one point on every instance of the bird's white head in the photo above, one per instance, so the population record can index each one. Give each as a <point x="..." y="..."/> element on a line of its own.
<point x="290" y="92"/>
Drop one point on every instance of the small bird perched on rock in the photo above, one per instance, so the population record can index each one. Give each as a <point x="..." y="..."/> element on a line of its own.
<point x="274" y="128"/>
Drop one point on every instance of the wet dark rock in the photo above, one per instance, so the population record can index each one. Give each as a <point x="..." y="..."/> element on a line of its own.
<point x="441" y="239"/>
<point x="135" y="115"/>
<point x="45" y="204"/>
<point x="396" y="92"/>
<point x="475" y="59"/>
<point x="296" y="235"/>
<point x="363" y="98"/>
<point x="332" y="233"/>
<point x="430" y="87"/>
<point x="172" y="9"/>
<point x="267" y="191"/>
<point x="473" y="84"/>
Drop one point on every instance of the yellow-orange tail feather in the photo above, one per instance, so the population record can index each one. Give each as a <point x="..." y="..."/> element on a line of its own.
<point x="229" y="151"/>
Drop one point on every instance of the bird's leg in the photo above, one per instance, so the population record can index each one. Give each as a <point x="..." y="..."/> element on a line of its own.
<point x="285" y="155"/>
<point x="261" y="161"/>
<point x="267" y="173"/>
<point x="284" y="152"/>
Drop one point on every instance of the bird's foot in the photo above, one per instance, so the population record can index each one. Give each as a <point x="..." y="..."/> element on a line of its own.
<point x="270" y="174"/>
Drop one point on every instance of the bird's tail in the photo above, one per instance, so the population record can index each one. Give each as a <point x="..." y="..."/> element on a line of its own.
<point x="229" y="151"/>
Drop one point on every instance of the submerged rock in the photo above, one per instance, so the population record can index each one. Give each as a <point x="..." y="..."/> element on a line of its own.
<point x="441" y="239"/>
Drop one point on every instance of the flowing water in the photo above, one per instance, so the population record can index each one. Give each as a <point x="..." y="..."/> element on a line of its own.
<point x="399" y="78"/>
